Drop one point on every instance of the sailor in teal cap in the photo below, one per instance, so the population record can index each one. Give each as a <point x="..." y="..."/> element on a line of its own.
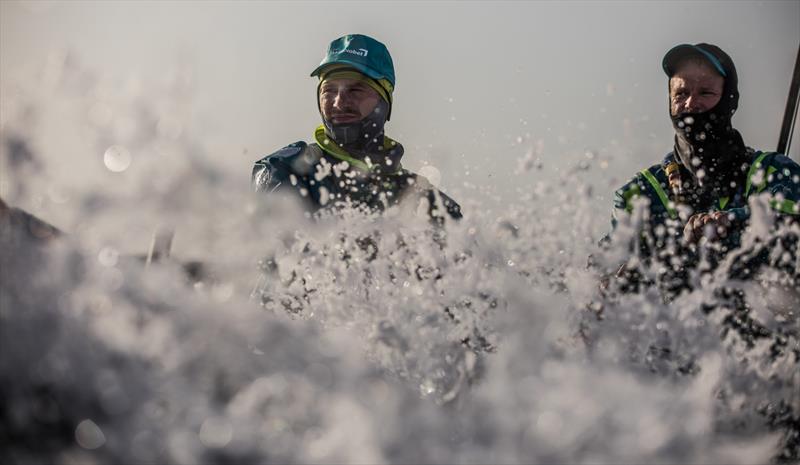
<point x="360" y="165"/>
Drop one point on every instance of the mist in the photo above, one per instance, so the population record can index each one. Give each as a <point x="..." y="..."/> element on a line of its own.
<point x="267" y="337"/>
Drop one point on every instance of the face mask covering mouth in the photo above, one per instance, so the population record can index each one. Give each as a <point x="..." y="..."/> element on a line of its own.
<point x="708" y="147"/>
<point x="360" y="137"/>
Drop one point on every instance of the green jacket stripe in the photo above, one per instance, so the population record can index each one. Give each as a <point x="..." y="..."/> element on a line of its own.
<point x="660" y="192"/>
<point x="753" y="170"/>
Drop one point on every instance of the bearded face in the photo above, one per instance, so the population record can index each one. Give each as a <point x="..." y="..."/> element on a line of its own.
<point x="353" y="113"/>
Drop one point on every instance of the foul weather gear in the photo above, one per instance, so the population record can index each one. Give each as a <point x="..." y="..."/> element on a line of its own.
<point x="328" y="177"/>
<point x="767" y="173"/>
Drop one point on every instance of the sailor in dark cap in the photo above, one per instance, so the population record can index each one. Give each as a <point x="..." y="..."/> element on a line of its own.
<point x="701" y="189"/>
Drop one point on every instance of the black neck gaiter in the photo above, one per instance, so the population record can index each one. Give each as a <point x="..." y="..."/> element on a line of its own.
<point x="363" y="137"/>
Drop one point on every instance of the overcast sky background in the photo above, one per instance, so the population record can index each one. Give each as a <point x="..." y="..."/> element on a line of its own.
<point x="196" y="91"/>
<point x="479" y="84"/>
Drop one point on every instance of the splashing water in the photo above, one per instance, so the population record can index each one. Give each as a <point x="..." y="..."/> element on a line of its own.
<point x="371" y="339"/>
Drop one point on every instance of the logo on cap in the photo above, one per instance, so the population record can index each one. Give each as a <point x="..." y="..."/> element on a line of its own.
<point x="362" y="52"/>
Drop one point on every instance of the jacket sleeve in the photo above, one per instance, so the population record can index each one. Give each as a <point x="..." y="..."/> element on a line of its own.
<point x="783" y="185"/>
<point x="624" y="197"/>
<point x="451" y="206"/>
<point x="780" y="180"/>
<point x="440" y="204"/>
<point x="622" y="204"/>
<point x="262" y="176"/>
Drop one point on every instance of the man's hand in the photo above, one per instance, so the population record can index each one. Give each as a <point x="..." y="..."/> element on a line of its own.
<point x="713" y="226"/>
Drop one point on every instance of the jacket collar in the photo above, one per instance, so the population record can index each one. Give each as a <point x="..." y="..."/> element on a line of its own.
<point x="386" y="161"/>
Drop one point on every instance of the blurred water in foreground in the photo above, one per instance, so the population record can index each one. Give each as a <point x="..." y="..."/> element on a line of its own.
<point x="366" y="340"/>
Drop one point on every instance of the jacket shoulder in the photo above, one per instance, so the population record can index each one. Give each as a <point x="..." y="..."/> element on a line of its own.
<point x="295" y="159"/>
<point x="776" y="166"/>
<point x="781" y="161"/>
<point x="285" y="154"/>
<point x="638" y="182"/>
<point x="779" y="175"/>
<point x="639" y="185"/>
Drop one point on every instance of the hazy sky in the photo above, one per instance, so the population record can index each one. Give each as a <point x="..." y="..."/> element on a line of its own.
<point x="478" y="84"/>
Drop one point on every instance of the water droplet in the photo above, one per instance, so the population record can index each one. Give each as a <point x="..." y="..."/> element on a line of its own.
<point x="117" y="158"/>
<point x="223" y="292"/>
<point x="427" y="387"/>
<point x="432" y="173"/>
<point x="108" y="256"/>
<point x="215" y="432"/>
<point x="88" y="435"/>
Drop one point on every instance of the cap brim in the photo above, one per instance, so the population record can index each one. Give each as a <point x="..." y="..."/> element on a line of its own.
<point x="683" y="51"/>
<point x="358" y="67"/>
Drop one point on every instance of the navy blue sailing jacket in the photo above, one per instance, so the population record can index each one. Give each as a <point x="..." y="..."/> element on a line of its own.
<point x="768" y="173"/>
<point x="327" y="182"/>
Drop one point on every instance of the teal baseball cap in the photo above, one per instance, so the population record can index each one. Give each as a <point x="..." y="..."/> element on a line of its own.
<point x="365" y="54"/>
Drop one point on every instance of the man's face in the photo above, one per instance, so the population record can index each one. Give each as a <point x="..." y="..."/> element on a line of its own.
<point x="345" y="101"/>
<point x="695" y="87"/>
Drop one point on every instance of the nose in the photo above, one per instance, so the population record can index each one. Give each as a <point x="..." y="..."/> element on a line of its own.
<point x="693" y="104"/>
<point x="339" y="99"/>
